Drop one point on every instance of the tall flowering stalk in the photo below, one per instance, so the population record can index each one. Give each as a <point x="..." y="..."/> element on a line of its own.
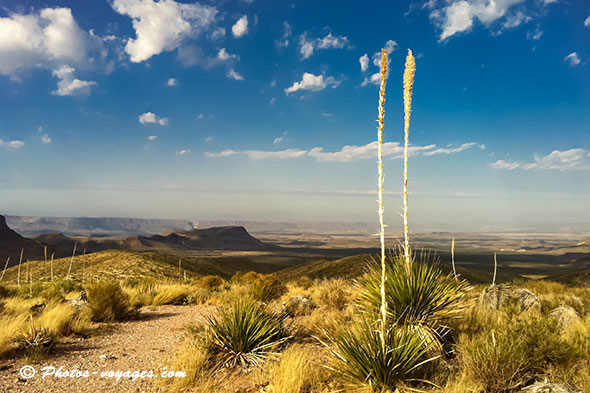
<point x="380" y="187"/>
<point x="409" y="72"/>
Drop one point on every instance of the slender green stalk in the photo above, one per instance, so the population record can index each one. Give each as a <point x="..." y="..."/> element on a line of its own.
<point x="71" y="261"/>
<point x="5" y="267"/>
<point x="409" y="72"/>
<point x="453" y="259"/>
<point x="380" y="189"/>
<point x="495" y="269"/>
<point x="19" y="265"/>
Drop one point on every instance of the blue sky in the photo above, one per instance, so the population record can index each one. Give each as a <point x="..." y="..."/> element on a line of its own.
<point x="266" y="110"/>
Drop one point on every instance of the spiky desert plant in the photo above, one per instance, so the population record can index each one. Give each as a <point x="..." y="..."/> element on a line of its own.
<point x="453" y="259"/>
<point x="245" y="334"/>
<point x="421" y="297"/>
<point x="361" y="357"/>
<point x="409" y="72"/>
<point x="380" y="187"/>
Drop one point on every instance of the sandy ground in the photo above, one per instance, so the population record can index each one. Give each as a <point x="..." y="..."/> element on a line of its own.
<point x="141" y="345"/>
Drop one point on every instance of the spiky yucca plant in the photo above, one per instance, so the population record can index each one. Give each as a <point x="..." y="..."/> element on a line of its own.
<point x="422" y="298"/>
<point x="362" y="357"/>
<point x="245" y="334"/>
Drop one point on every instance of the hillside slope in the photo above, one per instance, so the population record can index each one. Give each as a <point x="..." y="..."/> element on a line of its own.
<point x="11" y="244"/>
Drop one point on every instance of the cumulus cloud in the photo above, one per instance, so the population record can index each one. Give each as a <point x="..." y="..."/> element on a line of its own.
<point x="308" y="46"/>
<point x="287" y="31"/>
<point x="46" y="139"/>
<point x="182" y="152"/>
<point x="232" y="74"/>
<point x="567" y="160"/>
<point x="452" y="150"/>
<point x="459" y="15"/>
<point x="12" y="145"/>
<point x="152" y="118"/>
<point x="374" y="79"/>
<point x="390" y="47"/>
<point x="69" y="85"/>
<point x="218" y="33"/>
<point x="172" y="82"/>
<point x="572" y="59"/>
<point x="162" y="26"/>
<point x="313" y="83"/>
<point x="48" y="39"/>
<point x="280" y="139"/>
<point x="209" y="139"/>
<point x="240" y="28"/>
<point x="587" y="22"/>
<point x="364" y="61"/>
<point x="347" y="154"/>
<point x="152" y="138"/>
<point x="223" y="55"/>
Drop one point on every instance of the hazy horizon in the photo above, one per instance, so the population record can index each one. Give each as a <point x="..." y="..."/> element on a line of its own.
<point x="241" y="111"/>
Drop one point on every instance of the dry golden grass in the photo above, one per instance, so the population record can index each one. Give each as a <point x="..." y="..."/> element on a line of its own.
<point x="12" y="327"/>
<point x="298" y="370"/>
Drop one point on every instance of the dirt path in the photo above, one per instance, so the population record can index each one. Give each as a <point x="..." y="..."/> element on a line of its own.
<point x="140" y="345"/>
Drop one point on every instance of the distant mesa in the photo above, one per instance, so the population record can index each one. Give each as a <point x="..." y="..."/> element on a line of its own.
<point x="231" y="238"/>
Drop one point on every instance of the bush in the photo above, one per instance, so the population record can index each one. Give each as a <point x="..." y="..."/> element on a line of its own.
<point x="332" y="294"/>
<point x="422" y="296"/>
<point x="362" y="357"/>
<point x="107" y="302"/>
<point x="36" y="341"/>
<point x="172" y="294"/>
<point x="211" y="282"/>
<point x="267" y="288"/>
<point x="297" y="370"/>
<point x="245" y="334"/>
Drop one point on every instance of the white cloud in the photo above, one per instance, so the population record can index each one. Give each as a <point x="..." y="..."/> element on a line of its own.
<point x="573" y="59"/>
<point x="209" y="139"/>
<point x="313" y="83"/>
<point x="374" y="79"/>
<point x="152" y="118"/>
<point x="549" y="1"/>
<point x="272" y="101"/>
<point x="450" y="150"/>
<point x="459" y="15"/>
<point x="280" y="139"/>
<point x="45" y="139"/>
<point x="201" y="116"/>
<point x="232" y="74"/>
<point x="390" y="47"/>
<point x="537" y="34"/>
<point x="152" y="138"/>
<point x="183" y="152"/>
<point x="567" y="160"/>
<point x="163" y="25"/>
<point x="172" y="82"/>
<point x="587" y="22"/>
<point x="69" y="85"/>
<point x="223" y="55"/>
<point x="48" y="39"/>
<point x="218" y="33"/>
<point x="364" y="61"/>
<point x="308" y="46"/>
<point x="347" y="154"/>
<point x="240" y="28"/>
<point x="13" y="145"/>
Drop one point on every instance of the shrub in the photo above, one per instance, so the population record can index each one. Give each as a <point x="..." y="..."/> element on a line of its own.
<point x="332" y="294"/>
<point x="211" y="282"/>
<point x="267" y="288"/>
<point x="107" y="302"/>
<point x="245" y="334"/>
<point x="362" y="357"/>
<point x="297" y="370"/>
<point x="172" y="294"/>
<point x="58" y="318"/>
<point x="36" y="341"/>
<point x="421" y="296"/>
<point x="304" y="282"/>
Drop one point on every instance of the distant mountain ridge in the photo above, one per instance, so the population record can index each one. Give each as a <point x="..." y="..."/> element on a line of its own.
<point x="232" y="238"/>
<point x="87" y="226"/>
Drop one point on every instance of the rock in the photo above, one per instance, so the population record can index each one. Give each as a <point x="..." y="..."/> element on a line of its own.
<point x="495" y="296"/>
<point x="565" y="315"/>
<point x="300" y="305"/>
<point x="526" y="298"/>
<point x="546" y="387"/>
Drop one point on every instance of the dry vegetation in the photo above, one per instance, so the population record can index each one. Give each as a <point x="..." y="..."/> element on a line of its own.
<point x="400" y="325"/>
